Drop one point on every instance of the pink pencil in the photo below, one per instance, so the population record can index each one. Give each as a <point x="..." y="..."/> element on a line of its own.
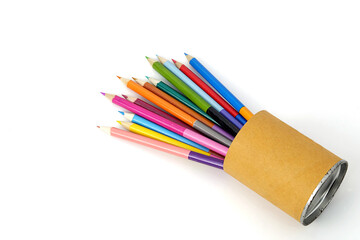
<point x="165" y="147"/>
<point x="176" y="128"/>
<point x="155" y="110"/>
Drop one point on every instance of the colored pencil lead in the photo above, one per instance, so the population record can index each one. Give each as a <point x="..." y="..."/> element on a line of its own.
<point x="102" y="93"/>
<point x="98" y="126"/>
<point x="173" y="61"/>
<point x="125" y="124"/>
<point x="105" y="129"/>
<point x="177" y="64"/>
<point x="124" y="80"/>
<point x="130" y="116"/>
<point x="109" y="96"/>
<point x="122" y="113"/>
<point x="185" y="54"/>
<point x="146" y="57"/>
<point x="125" y="96"/>
<point x="147" y="77"/>
<point x="151" y="61"/>
<point x="189" y="57"/>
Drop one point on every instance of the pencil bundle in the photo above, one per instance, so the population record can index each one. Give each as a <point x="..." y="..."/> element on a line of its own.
<point x="196" y="117"/>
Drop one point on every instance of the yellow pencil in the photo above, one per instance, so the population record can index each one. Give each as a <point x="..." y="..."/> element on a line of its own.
<point x="135" y="128"/>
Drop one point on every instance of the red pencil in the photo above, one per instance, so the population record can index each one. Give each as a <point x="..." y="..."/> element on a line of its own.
<point x="209" y="91"/>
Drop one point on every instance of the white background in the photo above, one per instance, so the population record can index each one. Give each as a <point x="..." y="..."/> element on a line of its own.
<point x="62" y="178"/>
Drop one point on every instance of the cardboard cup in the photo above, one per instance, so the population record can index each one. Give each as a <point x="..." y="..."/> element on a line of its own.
<point x="285" y="167"/>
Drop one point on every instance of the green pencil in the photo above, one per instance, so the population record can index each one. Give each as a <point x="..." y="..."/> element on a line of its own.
<point x="178" y="96"/>
<point x="180" y="85"/>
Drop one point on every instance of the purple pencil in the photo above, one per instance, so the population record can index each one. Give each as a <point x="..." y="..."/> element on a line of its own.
<point x="176" y="128"/>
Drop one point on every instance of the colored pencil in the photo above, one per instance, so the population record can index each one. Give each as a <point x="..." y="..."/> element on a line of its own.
<point x="132" y="117"/>
<point x="174" y="150"/>
<point x="181" y="106"/>
<point x="153" y="109"/>
<point x="194" y="97"/>
<point x="135" y="128"/>
<point x="183" y="116"/>
<point x="171" y="67"/>
<point x="178" y="96"/>
<point x="213" y="81"/>
<point x="184" y="69"/>
<point x="187" y="133"/>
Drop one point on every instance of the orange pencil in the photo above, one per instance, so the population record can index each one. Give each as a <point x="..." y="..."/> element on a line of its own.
<point x="180" y="114"/>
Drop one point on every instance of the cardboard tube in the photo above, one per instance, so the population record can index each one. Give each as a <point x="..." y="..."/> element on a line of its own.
<point x="285" y="167"/>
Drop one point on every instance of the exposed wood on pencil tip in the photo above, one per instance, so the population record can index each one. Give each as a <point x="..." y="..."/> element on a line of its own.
<point x="131" y="99"/>
<point x="139" y="81"/>
<point x="188" y="57"/>
<point x="178" y="64"/>
<point x="108" y="96"/>
<point x="125" y="124"/>
<point x="105" y="129"/>
<point x="154" y="81"/>
<point x="161" y="59"/>
<point x="124" y="80"/>
<point x="151" y="61"/>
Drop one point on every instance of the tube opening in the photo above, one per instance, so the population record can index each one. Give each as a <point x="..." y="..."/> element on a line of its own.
<point x="324" y="192"/>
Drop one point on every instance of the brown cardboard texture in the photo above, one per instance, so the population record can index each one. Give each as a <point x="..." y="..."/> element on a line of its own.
<point x="278" y="162"/>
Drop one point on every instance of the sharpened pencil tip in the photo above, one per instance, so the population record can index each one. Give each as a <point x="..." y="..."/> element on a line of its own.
<point x="147" y="77"/>
<point x="125" y="96"/>
<point x="121" y="112"/>
<point x="173" y="60"/>
<point x="98" y="126"/>
<point x="161" y="59"/>
<point x="102" y="93"/>
<point x="186" y="54"/>
<point x="146" y="57"/>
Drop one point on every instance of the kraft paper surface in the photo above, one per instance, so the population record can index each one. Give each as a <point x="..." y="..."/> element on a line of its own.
<point x="278" y="162"/>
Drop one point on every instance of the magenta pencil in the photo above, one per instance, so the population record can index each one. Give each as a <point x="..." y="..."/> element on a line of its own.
<point x="153" y="109"/>
<point x="176" y="128"/>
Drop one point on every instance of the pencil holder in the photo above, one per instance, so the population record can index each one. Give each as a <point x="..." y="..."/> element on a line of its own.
<point x="285" y="167"/>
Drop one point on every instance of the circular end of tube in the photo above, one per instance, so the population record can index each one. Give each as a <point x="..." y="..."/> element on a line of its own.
<point x="324" y="192"/>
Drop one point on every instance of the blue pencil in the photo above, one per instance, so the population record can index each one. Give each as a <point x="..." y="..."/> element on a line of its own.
<point x="172" y="68"/>
<point x="148" y="124"/>
<point x="213" y="81"/>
